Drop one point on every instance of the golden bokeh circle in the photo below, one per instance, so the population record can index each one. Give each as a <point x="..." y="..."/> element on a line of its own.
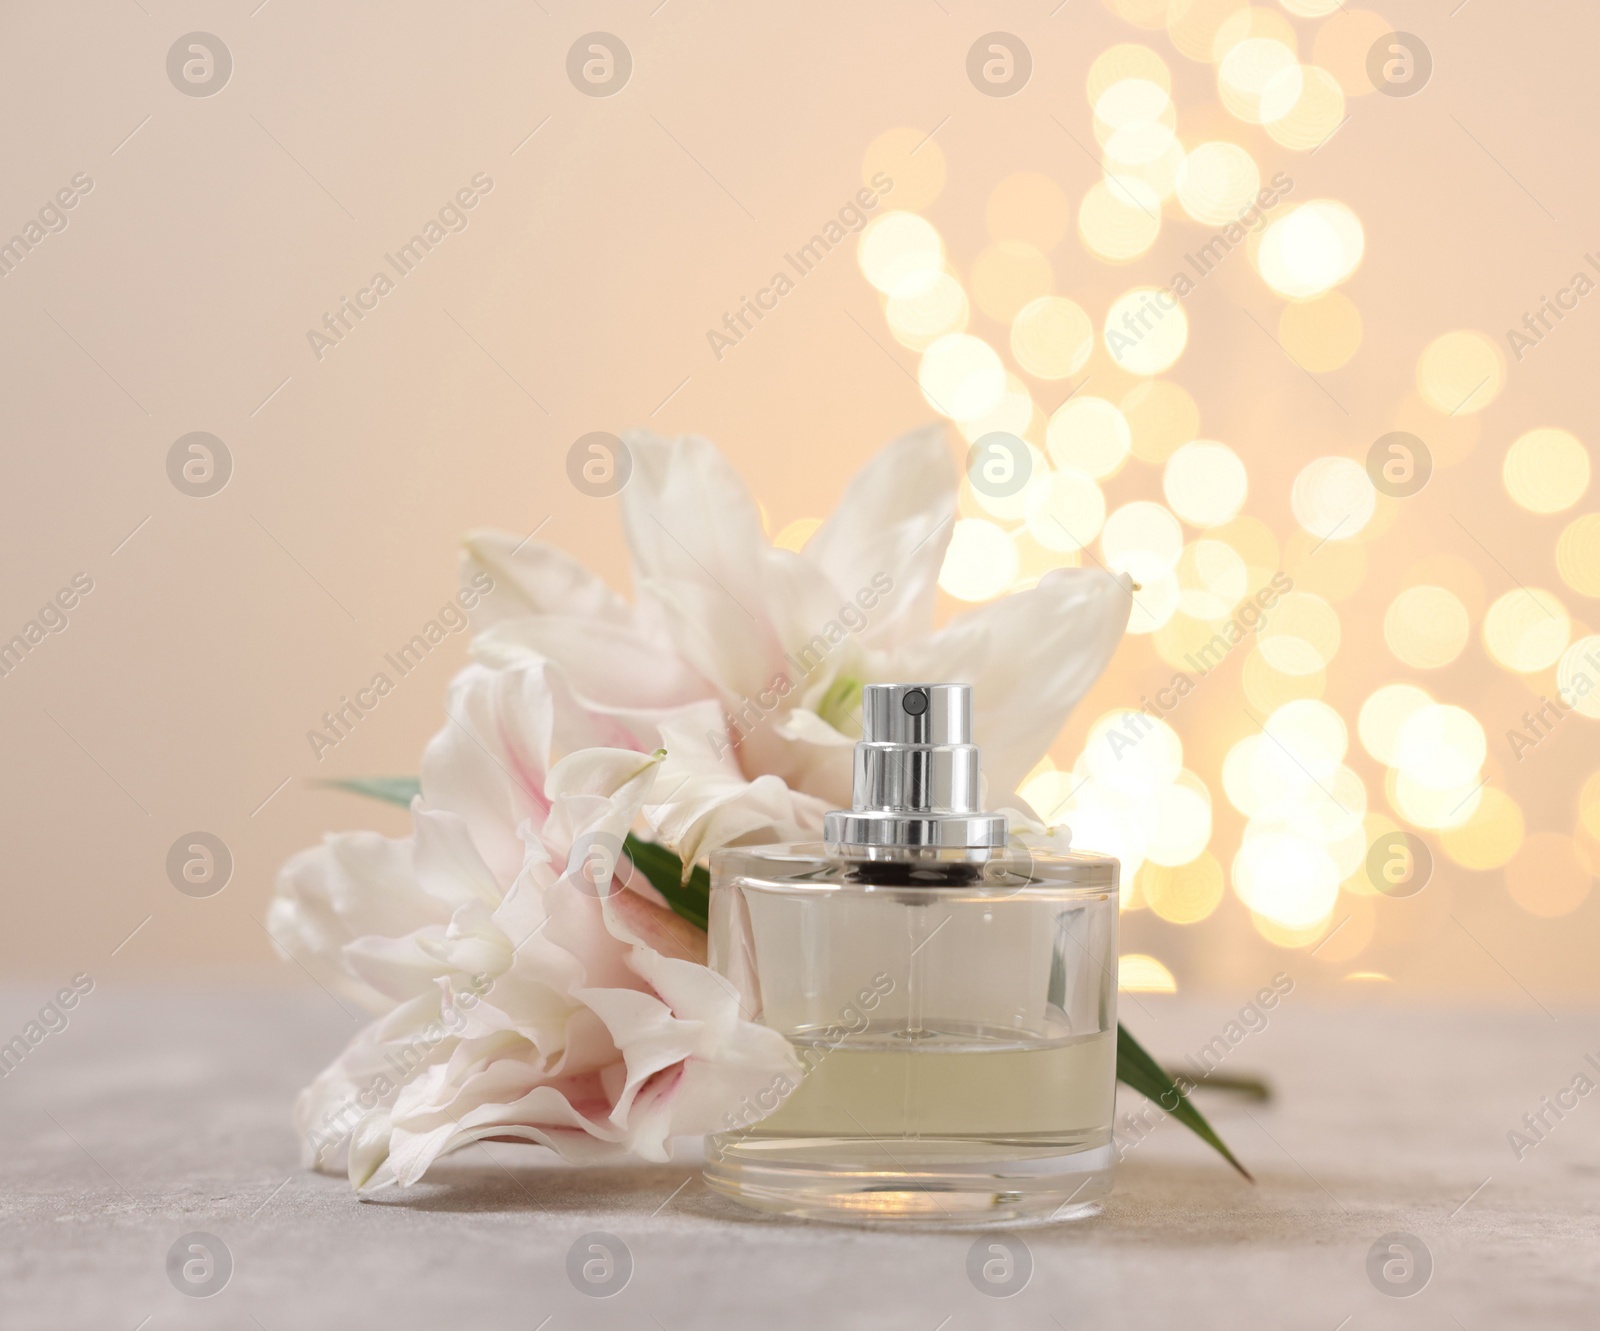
<point x="1290" y="879"/>
<point x="1052" y="337"/>
<point x="1546" y="470"/>
<point x="1194" y="25"/>
<point x="1383" y="717"/>
<point x="1301" y="634"/>
<point x="1066" y="510"/>
<point x="980" y="562"/>
<point x="1317" y="112"/>
<point x="1183" y="635"/>
<point x="1205" y="483"/>
<point x="1143" y="539"/>
<point x="1119" y="219"/>
<point x="1259" y="80"/>
<point x="1090" y="434"/>
<point x="922" y="315"/>
<point x="1323" y="333"/>
<point x="1526" y="629"/>
<point x="1490" y="837"/>
<point x="1589" y="806"/>
<point x="1162" y="416"/>
<point x="1213" y="579"/>
<point x="1140" y="13"/>
<point x="1426" y="627"/>
<point x="1128" y="60"/>
<point x="1217" y="182"/>
<point x="1462" y="579"/>
<point x="1254" y="21"/>
<point x="1008" y="275"/>
<point x="1460" y="372"/>
<point x="1577" y="552"/>
<point x="1267" y="688"/>
<point x="1180" y="825"/>
<point x="1146" y="330"/>
<point x="900" y="253"/>
<point x="1013" y="413"/>
<point x="1311" y="249"/>
<point x="1333" y="498"/>
<point x="1442" y="747"/>
<point x="1130" y="102"/>
<point x="1186" y="893"/>
<point x="962" y="377"/>
<point x="1578" y="677"/>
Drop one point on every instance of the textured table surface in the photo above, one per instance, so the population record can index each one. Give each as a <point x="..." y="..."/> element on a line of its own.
<point x="152" y="1116"/>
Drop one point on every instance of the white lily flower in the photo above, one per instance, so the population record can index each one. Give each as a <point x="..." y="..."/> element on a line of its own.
<point x="526" y="995"/>
<point x="780" y="643"/>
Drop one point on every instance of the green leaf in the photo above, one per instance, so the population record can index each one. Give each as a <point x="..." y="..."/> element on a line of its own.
<point x="399" y="790"/>
<point x="690" y="896"/>
<point x="1137" y="1069"/>
<point x="1251" y="1088"/>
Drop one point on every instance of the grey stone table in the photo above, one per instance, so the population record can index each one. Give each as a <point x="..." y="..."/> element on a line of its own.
<point x="154" y="1115"/>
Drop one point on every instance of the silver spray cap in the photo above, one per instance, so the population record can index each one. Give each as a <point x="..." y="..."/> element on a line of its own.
<point x="916" y="775"/>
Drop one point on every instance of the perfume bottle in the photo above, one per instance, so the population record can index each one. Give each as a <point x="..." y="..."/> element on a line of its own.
<point x="950" y="993"/>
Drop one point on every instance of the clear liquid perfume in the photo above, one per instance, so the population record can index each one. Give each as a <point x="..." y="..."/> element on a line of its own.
<point x="951" y="995"/>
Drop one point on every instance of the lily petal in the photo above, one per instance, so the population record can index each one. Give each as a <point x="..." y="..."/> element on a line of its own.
<point x="1029" y="658"/>
<point x="894" y="521"/>
<point x="531" y="578"/>
<point x="698" y="552"/>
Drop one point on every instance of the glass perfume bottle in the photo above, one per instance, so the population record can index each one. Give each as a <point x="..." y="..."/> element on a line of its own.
<point x="950" y="992"/>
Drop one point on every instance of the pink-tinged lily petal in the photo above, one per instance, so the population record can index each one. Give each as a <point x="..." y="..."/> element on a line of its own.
<point x="735" y="1062"/>
<point x="1029" y="658"/>
<point x="447" y="862"/>
<point x="528" y="577"/>
<point x="488" y="765"/>
<point x="892" y="527"/>
<point x="702" y="801"/>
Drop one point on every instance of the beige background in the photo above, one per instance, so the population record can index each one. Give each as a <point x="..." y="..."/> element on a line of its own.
<point x="220" y="229"/>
